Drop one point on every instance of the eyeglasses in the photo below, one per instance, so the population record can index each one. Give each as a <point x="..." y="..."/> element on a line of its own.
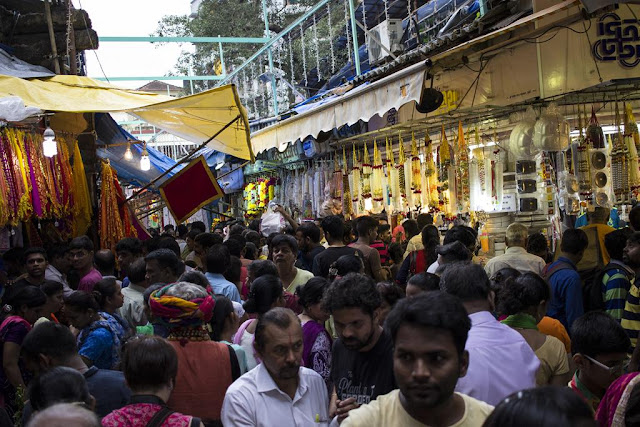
<point x="616" y="369"/>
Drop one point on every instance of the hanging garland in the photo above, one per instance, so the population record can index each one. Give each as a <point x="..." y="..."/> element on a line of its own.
<point x="378" y="175"/>
<point x="366" y="174"/>
<point x="355" y="180"/>
<point x="347" y="203"/>
<point x="401" y="176"/>
<point x="462" y="171"/>
<point x="632" y="140"/>
<point x="430" y="172"/>
<point x="82" y="210"/>
<point x="416" y="174"/>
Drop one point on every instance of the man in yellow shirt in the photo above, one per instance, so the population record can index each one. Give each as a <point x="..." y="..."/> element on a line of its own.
<point x="596" y="255"/>
<point x="429" y="332"/>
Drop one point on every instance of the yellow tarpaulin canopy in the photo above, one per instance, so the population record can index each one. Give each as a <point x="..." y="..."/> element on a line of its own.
<point x="195" y="118"/>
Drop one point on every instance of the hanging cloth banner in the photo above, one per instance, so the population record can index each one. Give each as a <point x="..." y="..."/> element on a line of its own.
<point x="190" y="189"/>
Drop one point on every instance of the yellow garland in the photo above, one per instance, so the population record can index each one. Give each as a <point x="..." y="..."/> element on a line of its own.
<point x="355" y="174"/>
<point x="632" y="140"/>
<point x="111" y="227"/>
<point x="389" y="162"/>
<point x="463" y="170"/>
<point x="378" y="175"/>
<point x="82" y="210"/>
<point x="366" y="174"/>
<point x="25" y="207"/>
<point x="347" y="203"/>
<point x="400" y="166"/>
<point x="416" y="175"/>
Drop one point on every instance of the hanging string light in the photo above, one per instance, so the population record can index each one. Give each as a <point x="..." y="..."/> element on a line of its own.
<point x="293" y="74"/>
<point x="347" y="30"/>
<point x="333" y="57"/>
<point x="145" y="162"/>
<point x="304" y="55"/>
<point x="317" y="47"/>
<point x="128" y="155"/>
<point x="49" y="144"/>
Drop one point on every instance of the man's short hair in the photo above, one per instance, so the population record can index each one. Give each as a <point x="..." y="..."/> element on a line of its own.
<point x="279" y="316"/>
<point x="597" y="333"/>
<point x="425" y="282"/>
<point x="353" y="291"/>
<point x="218" y="258"/>
<point x="104" y="260"/>
<point x="57" y="251"/>
<point x="252" y="236"/>
<point x="149" y="363"/>
<point x="206" y="240"/>
<point x="467" y="281"/>
<point x="182" y="230"/>
<point x="334" y="226"/>
<point x="424" y="219"/>
<point x="537" y="243"/>
<point x="137" y="271"/>
<point x="461" y="233"/>
<point x="129" y="244"/>
<point x="454" y="251"/>
<point x="262" y="267"/>
<point x="365" y="224"/>
<point x="51" y="339"/>
<point x="51" y="287"/>
<point x="574" y="241"/>
<point x="82" y="242"/>
<point x="383" y="227"/>
<point x="431" y="310"/>
<point x="516" y="233"/>
<point x="167" y="258"/>
<point x="192" y="234"/>
<point x="198" y="225"/>
<point x="310" y="230"/>
<point x="283" y="239"/>
<point x="615" y="242"/>
<point x="35" y="250"/>
<point x="235" y="245"/>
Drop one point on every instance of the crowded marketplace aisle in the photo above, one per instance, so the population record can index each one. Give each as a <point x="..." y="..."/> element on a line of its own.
<point x="388" y="213"/>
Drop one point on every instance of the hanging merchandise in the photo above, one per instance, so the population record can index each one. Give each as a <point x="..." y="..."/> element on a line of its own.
<point x="521" y="137"/>
<point x="377" y="182"/>
<point x="444" y="166"/>
<point x="632" y="140"/>
<point x="416" y="173"/>
<point x="462" y="171"/>
<point x="594" y="132"/>
<point x="430" y="173"/>
<point x="347" y="202"/>
<point x="401" y="176"/>
<point x="497" y="172"/>
<point x="551" y="132"/>
<point x="115" y="223"/>
<point x="355" y="182"/>
<point x="337" y="181"/>
<point x="619" y="166"/>
<point x="82" y="210"/>
<point x="366" y="178"/>
<point x="392" y="179"/>
<point x="582" y="163"/>
<point x="388" y="161"/>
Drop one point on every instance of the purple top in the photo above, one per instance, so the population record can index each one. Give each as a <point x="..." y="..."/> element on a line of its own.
<point x="89" y="280"/>
<point x="500" y="361"/>
<point x="316" y="353"/>
<point x="13" y="329"/>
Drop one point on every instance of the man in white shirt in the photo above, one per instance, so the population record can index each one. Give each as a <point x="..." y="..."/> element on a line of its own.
<point x="58" y="267"/>
<point x="133" y="308"/>
<point x="516" y="255"/>
<point x="278" y="392"/>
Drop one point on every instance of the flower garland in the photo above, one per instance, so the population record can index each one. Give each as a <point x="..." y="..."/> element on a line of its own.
<point x="416" y="173"/>
<point x="347" y="202"/>
<point x="82" y="210"/>
<point x="401" y="177"/>
<point x="366" y="174"/>
<point x="355" y="181"/>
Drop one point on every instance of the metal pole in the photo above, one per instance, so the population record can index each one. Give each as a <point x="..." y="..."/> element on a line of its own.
<point x="274" y="88"/>
<point x="354" y="36"/>
<point x="52" y="36"/>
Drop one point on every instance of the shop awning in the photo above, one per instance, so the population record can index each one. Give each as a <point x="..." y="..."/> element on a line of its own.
<point x="361" y="103"/>
<point x="195" y="118"/>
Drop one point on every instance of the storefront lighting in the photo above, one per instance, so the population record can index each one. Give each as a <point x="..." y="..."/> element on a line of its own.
<point x="128" y="155"/>
<point x="145" y="162"/>
<point x="49" y="145"/>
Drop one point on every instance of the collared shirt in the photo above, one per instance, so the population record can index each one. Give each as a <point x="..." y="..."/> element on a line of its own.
<point x="133" y="308"/>
<point x="500" y="361"/>
<point x="591" y="399"/>
<point x="52" y="273"/>
<point x="616" y="282"/>
<point x="566" y="294"/>
<point x="220" y="285"/>
<point x="518" y="258"/>
<point x="254" y="399"/>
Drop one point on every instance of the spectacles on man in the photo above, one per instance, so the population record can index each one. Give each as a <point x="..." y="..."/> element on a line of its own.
<point x="615" y="369"/>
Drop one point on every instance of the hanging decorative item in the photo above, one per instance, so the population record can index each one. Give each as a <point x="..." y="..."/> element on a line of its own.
<point x="377" y="182"/>
<point x="521" y="137"/>
<point x="114" y="220"/>
<point x="337" y="181"/>
<point x="389" y="165"/>
<point x="583" y="164"/>
<point x="347" y="202"/>
<point x="416" y="174"/>
<point x="462" y="171"/>
<point x="430" y="172"/>
<point x="595" y="135"/>
<point x="551" y="132"/>
<point x="444" y="166"/>
<point x="619" y="168"/>
<point x="355" y="181"/>
<point x="401" y="176"/>
<point x="366" y="175"/>
<point x="632" y="138"/>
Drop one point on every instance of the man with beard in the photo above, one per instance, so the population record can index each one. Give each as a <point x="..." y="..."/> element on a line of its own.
<point x="631" y="314"/>
<point x="362" y="357"/>
<point x="279" y="391"/>
<point x="36" y="264"/>
<point x="429" y="333"/>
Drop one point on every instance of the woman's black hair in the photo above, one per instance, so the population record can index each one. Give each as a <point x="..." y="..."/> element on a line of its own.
<point x="103" y="289"/>
<point x="521" y="293"/>
<point x="221" y="311"/>
<point x="148" y="363"/>
<point x="58" y="385"/>
<point x="396" y="252"/>
<point x="250" y="251"/>
<point x="390" y="293"/>
<point x="430" y="241"/>
<point x="542" y="406"/>
<point x="410" y="228"/>
<point x="344" y="265"/>
<point x="425" y="281"/>
<point x="28" y="295"/>
<point x="265" y="290"/>
<point x="82" y="301"/>
<point x="312" y="292"/>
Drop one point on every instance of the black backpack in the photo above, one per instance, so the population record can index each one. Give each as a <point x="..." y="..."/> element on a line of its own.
<point x="591" y="283"/>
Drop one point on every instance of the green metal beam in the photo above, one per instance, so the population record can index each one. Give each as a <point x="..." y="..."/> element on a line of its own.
<point x="354" y="36"/>
<point x="146" y="78"/>
<point x="274" y="39"/>
<point x="252" y="40"/>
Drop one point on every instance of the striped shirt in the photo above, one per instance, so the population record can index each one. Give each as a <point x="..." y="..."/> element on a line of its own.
<point x="631" y="316"/>
<point x="615" y="286"/>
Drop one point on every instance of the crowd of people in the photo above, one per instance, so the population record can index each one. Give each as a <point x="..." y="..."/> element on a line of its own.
<point x="329" y="323"/>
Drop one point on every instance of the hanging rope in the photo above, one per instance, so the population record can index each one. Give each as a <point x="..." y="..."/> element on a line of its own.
<point x="333" y="58"/>
<point x="304" y="56"/>
<point x="348" y="31"/>
<point x="317" y="47"/>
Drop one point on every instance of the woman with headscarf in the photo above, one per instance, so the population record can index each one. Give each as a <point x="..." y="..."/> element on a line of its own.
<point x="205" y="368"/>
<point x="620" y="405"/>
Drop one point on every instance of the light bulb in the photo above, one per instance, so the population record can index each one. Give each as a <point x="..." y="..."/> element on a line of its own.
<point x="128" y="155"/>
<point x="49" y="144"/>
<point x="145" y="162"/>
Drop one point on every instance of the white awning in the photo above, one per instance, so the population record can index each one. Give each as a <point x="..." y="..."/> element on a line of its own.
<point x="361" y="103"/>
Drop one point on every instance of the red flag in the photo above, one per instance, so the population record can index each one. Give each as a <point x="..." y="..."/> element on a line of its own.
<point x="190" y="189"/>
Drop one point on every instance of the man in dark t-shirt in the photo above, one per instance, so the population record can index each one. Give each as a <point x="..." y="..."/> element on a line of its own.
<point x="333" y="227"/>
<point x="362" y="359"/>
<point x="308" y="237"/>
